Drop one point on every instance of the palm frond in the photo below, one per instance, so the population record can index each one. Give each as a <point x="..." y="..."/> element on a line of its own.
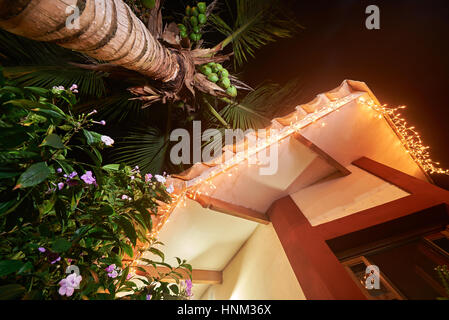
<point x="257" y="23"/>
<point x="114" y="108"/>
<point x="258" y="107"/>
<point x="90" y="83"/>
<point x="41" y="64"/>
<point x="144" y="147"/>
<point x="251" y="111"/>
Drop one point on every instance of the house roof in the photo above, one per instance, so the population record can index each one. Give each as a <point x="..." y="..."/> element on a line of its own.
<point x="319" y="140"/>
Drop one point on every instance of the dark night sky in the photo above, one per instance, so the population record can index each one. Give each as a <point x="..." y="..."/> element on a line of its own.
<point x="406" y="62"/>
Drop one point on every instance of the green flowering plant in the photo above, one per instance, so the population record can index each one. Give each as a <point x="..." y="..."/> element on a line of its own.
<point x="443" y="274"/>
<point x="67" y="220"/>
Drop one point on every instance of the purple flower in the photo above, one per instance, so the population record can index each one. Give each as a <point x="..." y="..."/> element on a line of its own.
<point x="110" y="268"/>
<point x="73" y="175"/>
<point x="148" y="296"/>
<point x="103" y="123"/>
<point x="129" y="276"/>
<point x="160" y="178"/>
<point x="59" y="170"/>
<point x="107" y="140"/>
<point x="74" y="88"/>
<point x="189" y="287"/>
<point x="92" y="112"/>
<point x="69" y="284"/>
<point x="60" y="185"/>
<point x="56" y="260"/>
<point x="125" y="197"/>
<point x="113" y="274"/>
<point x="148" y="177"/>
<point x="41" y="249"/>
<point x="88" y="178"/>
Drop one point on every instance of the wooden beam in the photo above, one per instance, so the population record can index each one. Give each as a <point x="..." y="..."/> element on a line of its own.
<point x="232" y="209"/>
<point x="198" y="276"/>
<point x="331" y="161"/>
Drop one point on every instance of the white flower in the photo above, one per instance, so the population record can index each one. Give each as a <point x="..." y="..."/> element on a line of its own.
<point x="107" y="140"/>
<point x="160" y="178"/>
<point x="170" y="189"/>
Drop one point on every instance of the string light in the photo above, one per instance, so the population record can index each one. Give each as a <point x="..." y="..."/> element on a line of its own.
<point x="408" y="136"/>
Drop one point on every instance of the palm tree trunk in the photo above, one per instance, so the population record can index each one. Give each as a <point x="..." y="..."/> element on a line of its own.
<point x="106" y="30"/>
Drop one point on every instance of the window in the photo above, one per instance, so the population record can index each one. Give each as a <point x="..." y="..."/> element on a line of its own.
<point x="407" y="268"/>
<point x="406" y="250"/>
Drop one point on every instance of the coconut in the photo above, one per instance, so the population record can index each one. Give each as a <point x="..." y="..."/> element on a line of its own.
<point x="196" y="29"/>
<point x="206" y="70"/>
<point x="195" y="11"/>
<point x="188" y="11"/>
<point x="212" y="77"/>
<point x="182" y="27"/>
<point x="183" y="34"/>
<point x="202" y="7"/>
<point x="232" y="91"/>
<point x="225" y="83"/>
<point x="202" y="18"/>
<point x="194" y="20"/>
<point x="224" y="73"/>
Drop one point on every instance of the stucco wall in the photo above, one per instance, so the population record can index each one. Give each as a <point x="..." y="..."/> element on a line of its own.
<point x="339" y="197"/>
<point x="260" y="270"/>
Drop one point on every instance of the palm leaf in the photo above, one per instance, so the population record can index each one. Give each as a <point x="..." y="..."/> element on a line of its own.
<point x="251" y="111"/>
<point x="258" y="107"/>
<point x="257" y="23"/>
<point x="90" y="83"/>
<point x="144" y="147"/>
<point x="41" y="64"/>
<point x="114" y="108"/>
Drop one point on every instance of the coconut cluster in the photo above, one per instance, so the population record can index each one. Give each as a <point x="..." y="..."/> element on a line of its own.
<point x="194" y="19"/>
<point x="216" y="73"/>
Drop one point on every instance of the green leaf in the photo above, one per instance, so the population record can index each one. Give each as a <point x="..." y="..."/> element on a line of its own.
<point x="4" y="206"/>
<point x="44" y="108"/>
<point x="53" y="140"/>
<point x="9" y="266"/>
<point x="258" y="22"/>
<point x="128" y="228"/>
<point x="146" y="147"/>
<point x="61" y="245"/>
<point x="34" y="175"/>
<point x="11" y="291"/>
<point x="2" y="77"/>
<point x="157" y="252"/>
<point x="105" y="210"/>
<point x="26" y="267"/>
<point x="128" y="249"/>
<point x="38" y="91"/>
<point x="174" y="288"/>
<point x="92" y="137"/>
<point x="6" y="172"/>
<point x="111" y="167"/>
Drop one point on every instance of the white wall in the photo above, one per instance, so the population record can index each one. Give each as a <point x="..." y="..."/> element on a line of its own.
<point x="260" y="270"/>
<point x="336" y="198"/>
